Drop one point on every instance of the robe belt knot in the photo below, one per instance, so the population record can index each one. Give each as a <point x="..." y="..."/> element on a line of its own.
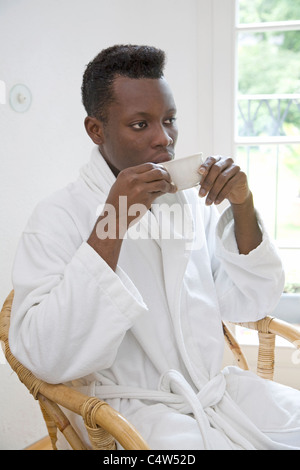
<point x="209" y="395"/>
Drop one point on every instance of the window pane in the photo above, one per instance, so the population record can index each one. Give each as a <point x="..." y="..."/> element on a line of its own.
<point x="288" y="196"/>
<point x="291" y="262"/>
<point x="256" y="11"/>
<point x="268" y="84"/>
<point x="274" y="178"/>
<point x="260" y="165"/>
<point x="268" y="115"/>
<point x="269" y="62"/>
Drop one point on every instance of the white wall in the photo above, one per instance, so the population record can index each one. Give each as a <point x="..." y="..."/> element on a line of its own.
<point x="46" y="45"/>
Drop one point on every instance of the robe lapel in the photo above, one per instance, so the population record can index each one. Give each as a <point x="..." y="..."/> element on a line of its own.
<point x="175" y="221"/>
<point x="188" y="234"/>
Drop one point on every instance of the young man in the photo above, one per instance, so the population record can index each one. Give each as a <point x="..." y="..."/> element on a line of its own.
<point x="136" y="319"/>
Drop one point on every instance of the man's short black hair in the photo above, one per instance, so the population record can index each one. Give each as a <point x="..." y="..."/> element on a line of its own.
<point x="119" y="60"/>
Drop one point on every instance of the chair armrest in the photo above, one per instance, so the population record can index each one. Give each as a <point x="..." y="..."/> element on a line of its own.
<point x="271" y="325"/>
<point x="93" y="410"/>
<point x="105" y="416"/>
<point x="267" y="329"/>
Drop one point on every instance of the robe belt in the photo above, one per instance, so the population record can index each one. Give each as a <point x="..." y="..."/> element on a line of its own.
<point x="177" y="393"/>
<point x="211" y="406"/>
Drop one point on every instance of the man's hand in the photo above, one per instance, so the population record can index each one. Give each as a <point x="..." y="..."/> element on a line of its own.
<point x="223" y="179"/>
<point x="138" y="187"/>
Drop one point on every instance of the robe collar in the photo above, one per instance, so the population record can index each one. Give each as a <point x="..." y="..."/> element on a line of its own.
<point x="97" y="174"/>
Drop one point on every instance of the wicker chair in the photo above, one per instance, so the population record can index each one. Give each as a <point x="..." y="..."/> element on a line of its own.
<point x="105" y="425"/>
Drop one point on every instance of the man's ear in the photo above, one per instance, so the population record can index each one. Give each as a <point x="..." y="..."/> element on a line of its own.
<point x="94" y="128"/>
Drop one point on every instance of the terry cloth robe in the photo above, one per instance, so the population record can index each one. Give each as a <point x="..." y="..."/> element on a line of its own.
<point x="148" y="337"/>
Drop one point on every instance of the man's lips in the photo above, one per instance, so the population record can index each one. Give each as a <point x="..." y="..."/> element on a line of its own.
<point x="162" y="157"/>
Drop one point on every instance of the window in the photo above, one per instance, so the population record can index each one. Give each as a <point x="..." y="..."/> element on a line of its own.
<point x="249" y="99"/>
<point x="267" y="119"/>
<point x="249" y="108"/>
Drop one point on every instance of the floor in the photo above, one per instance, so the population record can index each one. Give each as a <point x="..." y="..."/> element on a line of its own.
<point x="43" y="444"/>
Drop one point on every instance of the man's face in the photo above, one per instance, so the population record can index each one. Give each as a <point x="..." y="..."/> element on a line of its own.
<point x="141" y="124"/>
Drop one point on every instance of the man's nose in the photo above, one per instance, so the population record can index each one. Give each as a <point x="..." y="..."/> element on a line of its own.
<point x="161" y="137"/>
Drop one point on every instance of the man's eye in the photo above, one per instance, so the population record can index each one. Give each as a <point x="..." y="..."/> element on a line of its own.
<point x="139" y="125"/>
<point x="170" y="120"/>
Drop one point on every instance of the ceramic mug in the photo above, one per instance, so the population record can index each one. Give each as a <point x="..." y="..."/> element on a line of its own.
<point x="184" y="171"/>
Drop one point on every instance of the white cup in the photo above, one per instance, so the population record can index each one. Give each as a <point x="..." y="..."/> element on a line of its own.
<point x="184" y="171"/>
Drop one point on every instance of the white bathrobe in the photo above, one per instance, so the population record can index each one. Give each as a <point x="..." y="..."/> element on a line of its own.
<point x="148" y="337"/>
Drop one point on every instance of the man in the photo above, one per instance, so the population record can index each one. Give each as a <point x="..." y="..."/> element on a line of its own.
<point x="136" y="320"/>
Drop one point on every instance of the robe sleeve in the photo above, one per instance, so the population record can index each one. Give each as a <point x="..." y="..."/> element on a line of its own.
<point x="248" y="286"/>
<point x="70" y="310"/>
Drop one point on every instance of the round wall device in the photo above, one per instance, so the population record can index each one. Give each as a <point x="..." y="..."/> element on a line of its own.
<point x="20" y="98"/>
